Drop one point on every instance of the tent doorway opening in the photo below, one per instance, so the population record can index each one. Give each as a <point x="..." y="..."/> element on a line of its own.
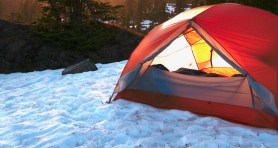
<point x="190" y="54"/>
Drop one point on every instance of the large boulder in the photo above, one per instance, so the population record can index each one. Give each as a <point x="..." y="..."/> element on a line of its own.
<point x="83" y="66"/>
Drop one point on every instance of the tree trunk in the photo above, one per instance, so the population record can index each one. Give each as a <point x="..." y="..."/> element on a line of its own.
<point x="1" y="9"/>
<point x="76" y="13"/>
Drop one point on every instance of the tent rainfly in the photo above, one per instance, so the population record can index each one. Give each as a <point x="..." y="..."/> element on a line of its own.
<point x="218" y="60"/>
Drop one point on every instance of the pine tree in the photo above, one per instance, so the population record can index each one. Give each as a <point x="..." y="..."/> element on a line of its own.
<point x="181" y="5"/>
<point x="76" y="12"/>
<point x="76" y="24"/>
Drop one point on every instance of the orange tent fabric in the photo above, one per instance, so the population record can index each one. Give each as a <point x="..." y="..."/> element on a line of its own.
<point x="250" y="35"/>
<point x="245" y="37"/>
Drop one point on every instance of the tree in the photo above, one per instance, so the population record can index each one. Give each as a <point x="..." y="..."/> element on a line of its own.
<point x="158" y="13"/>
<point x="77" y="12"/>
<point x="1" y="9"/>
<point x="180" y="6"/>
<point x="76" y="24"/>
<point x="130" y="14"/>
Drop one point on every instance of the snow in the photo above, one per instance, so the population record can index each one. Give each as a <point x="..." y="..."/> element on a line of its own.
<point x="46" y="109"/>
<point x="146" y="24"/>
<point x="170" y="8"/>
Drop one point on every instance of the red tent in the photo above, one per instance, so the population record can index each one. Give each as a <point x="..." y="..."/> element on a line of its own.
<point x="218" y="60"/>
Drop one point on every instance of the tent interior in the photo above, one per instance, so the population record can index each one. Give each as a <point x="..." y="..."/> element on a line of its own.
<point x="190" y="51"/>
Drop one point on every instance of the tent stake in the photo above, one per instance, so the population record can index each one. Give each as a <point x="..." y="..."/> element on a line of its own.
<point x="110" y="99"/>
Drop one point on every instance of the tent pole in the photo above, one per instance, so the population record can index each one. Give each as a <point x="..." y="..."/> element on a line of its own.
<point x="252" y="95"/>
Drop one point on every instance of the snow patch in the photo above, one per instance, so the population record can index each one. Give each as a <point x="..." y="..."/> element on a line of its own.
<point x="46" y="109"/>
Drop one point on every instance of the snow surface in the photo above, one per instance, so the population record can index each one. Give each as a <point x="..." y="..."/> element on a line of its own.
<point x="146" y="24"/>
<point x="46" y="109"/>
<point x="170" y="8"/>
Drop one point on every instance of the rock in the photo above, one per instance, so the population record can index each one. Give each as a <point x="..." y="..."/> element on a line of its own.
<point x="83" y="66"/>
<point x="23" y="51"/>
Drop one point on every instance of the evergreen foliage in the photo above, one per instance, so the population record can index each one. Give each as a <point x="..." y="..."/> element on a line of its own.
<point x="76" y="24"/>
